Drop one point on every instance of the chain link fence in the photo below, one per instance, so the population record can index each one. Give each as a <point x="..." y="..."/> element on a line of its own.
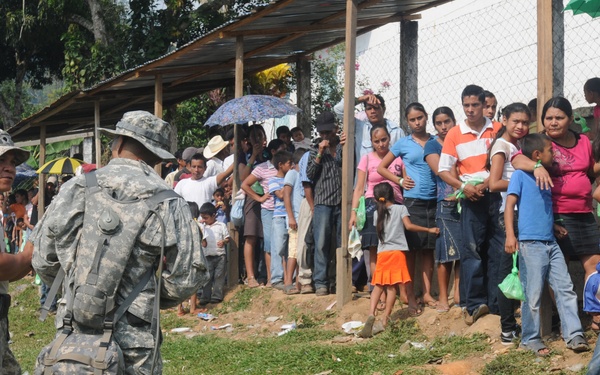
<point x="494" y="46"/>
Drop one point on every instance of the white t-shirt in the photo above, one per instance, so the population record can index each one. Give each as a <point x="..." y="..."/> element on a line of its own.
<point x="502" y="146"/>
<point x="213" y="233"/>
<point x="227" y="162"/>
<point x="213" y="167"/>
<point x="199" y="191"/>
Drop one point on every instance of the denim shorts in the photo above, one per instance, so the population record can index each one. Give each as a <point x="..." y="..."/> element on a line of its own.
<point x="583" y="234"/>
<point x="449" y="242"/>
<point x="422" y="212"/>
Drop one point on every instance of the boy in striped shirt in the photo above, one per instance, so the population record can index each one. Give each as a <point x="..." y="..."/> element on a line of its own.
<point x="465" y="148"/>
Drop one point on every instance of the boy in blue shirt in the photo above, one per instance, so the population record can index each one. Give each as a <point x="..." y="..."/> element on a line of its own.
<point x="292" y="198"/>
<point x="540" y="257"/>
<point x="282" y="160"/>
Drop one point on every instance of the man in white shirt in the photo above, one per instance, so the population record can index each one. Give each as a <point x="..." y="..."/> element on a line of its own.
<point x="199" y="188"/>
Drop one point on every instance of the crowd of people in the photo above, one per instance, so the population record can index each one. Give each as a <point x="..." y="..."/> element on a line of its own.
<point x="464" y="200"/>
<point x="448" y="197"/>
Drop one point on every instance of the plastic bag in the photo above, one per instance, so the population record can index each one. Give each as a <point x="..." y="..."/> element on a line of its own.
<point x="361" y="214"/>
<point x="237" y="210"/>
<point x="511" y="286"/>
<point x="354" y="244"/>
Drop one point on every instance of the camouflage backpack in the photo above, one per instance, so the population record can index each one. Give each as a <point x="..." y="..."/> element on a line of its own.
<point x="85" y="345"/>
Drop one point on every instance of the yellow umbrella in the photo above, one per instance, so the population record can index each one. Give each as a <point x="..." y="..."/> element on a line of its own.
<point x="60" y="166"/>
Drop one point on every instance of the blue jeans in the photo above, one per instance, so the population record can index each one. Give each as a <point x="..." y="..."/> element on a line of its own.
<point x="483" y="240"/>
<point x="542" y="261"/>
<point x="279" y="246"/>
<point x="276" y="266"/>
<point x="326" y="223"/>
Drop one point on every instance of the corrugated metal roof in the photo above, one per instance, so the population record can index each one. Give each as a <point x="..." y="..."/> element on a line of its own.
<point x="283" y="31"/>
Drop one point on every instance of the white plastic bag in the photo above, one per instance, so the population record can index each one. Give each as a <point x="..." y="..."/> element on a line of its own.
<point x="237" y="210"/>
<point x="354" y="244"/>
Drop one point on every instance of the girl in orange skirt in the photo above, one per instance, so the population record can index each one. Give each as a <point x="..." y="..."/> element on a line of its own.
<point x="391" y="269"/>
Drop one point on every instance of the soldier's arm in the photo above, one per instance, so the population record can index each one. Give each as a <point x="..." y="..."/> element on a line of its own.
<point x="15" y="267"/>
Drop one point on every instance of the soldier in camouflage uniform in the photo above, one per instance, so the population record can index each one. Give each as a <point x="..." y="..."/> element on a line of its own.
<point x="12" y="267"/>
<point x="140" y="143"/>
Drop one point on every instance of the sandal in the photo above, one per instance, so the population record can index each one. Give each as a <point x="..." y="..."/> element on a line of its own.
<point x="578" y="344"/>
<point x="252" y="283"/>
<point x="413" y="312"/>
<point x="290" y="289"/>
<point x="595" y="326"/>
<point x="538" y="348"/>
<point x="442" y="309"/>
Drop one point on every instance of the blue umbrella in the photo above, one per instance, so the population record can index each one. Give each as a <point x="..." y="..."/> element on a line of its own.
<point x="251" y="108"/>
<point x="24" y="173"/>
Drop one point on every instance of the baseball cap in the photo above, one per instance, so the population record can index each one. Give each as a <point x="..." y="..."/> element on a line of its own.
<point x="7" y="144"/>
<point x="325" y="122"/>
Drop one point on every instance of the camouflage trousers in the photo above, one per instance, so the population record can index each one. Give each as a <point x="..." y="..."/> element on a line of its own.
<point x="9" y="365"/>
<point x="135" y="338"/>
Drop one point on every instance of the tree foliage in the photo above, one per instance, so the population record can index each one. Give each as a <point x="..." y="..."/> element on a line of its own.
<point x="85" y="42"/>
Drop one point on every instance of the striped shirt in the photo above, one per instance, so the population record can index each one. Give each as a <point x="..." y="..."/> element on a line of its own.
<point x="263" y="173"/>
<point x="327" y="176"/>
<point x="467" y="149"/>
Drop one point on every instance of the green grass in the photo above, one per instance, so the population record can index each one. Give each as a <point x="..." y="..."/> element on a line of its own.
<point x="306" y="350"/>
<point x="30" y="335"/>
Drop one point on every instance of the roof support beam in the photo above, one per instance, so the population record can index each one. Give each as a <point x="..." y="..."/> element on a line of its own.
<point x="317" y="28"/>
<point x="61" y="138"/>
<point x="344" y="261"/>
<point x="232" y="268"/>
<point x="42" y="176"/>
<point x="97" y="141"/>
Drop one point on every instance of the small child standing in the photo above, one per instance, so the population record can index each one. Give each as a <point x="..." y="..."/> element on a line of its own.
<point x="220" y="205"/>
<point x="215" y="237"/>
<point x="298" y="139"/>
<point x="279" y="242"/>
<point x="391" y="269"/>
<point x="292" y="199"/>
<point x="540" y="257"/>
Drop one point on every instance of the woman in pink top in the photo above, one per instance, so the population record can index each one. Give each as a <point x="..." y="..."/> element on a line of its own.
<point x="572" y="174"/>
<point x="368" y="177"/>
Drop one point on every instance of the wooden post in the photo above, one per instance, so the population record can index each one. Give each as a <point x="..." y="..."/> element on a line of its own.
<point x="409" y="65"/>
<point x="234" y="255"/>
<point x="304" y="90"/>
<point x="97" y="140"/>
<point x="158" y="109"/>
<point x="42" y="177"/>
<point x="558" y="49"/>
<point x="545" y="90"/>
<point x="344" y="261"/>
<point x="545" y="56"/>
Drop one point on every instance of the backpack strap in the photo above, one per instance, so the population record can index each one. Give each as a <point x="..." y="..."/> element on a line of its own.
<point x="91" y="185"/>
<point x="58" y="279"/>
<point x="160" y="197"/>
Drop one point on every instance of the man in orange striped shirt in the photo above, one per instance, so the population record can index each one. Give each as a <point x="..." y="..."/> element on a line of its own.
<point x="465" y="148"/>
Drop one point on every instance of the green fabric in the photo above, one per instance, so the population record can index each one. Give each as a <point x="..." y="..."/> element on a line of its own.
<point x="361" y="214"/>
<point x="591" y="7"/>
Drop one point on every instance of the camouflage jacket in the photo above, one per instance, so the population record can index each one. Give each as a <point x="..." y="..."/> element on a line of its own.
<point x="57" y="235"/>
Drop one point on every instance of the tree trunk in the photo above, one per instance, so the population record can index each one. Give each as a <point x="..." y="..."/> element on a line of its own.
<point x="99" y="28"/>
